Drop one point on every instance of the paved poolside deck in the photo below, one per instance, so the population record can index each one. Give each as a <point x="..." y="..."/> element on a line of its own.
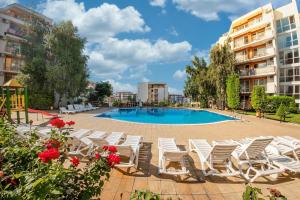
<point x="195" y="186"/>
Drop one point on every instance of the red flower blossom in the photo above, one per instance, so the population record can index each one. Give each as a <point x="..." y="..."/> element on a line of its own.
<point x="1" y="174"/>
<point x="105" y="148"/>
<point x="58" y="123"/>
<point x="52" y="144"/>
<point x="113" y="159"/>
<point x="49" y="154"/>
<point x="112" y="149"/>
<point x="70" y="123"/>
<point x="75" y="161"/>
<point x="97" y="156"/>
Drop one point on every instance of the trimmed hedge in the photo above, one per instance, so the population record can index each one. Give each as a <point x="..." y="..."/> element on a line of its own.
<point x="274" y="102"/>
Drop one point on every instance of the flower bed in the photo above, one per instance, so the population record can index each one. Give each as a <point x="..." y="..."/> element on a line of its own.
<point x="36" y="168"/>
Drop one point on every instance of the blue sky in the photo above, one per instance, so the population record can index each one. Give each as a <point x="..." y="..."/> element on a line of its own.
<point x="130" y="41"/>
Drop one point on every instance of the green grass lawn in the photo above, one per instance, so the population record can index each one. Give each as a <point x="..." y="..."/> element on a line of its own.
<point x="294" y="118"/>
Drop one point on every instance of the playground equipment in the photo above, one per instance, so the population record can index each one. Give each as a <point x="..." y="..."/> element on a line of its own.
<point x="14" y="99"/>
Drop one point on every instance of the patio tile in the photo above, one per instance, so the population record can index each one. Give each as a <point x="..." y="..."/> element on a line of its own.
<point x="167" y="187"/>
<point x="216" y="197"/>
<point x="126" y="185"/>
<point x="185" y="197"/>
<point x="155" y="186"/>
<point x="182" y="188"/>
<point x="140" y="185"/>
<point x="197" y="188"/>
<point x="107" y="195"/>
<point x="200" y="197"/>
<point x="122" y="196"/>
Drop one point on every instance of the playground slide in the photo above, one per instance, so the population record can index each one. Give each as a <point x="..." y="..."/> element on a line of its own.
<point x="42" y="112"/>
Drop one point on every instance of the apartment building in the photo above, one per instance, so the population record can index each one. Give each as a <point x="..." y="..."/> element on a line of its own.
<point x="124" y="97"/>
<point x="176" y="98"/>
<point x="265" y="43"/>
<point x="14" y="26"/>
<point x="152" y="92"/>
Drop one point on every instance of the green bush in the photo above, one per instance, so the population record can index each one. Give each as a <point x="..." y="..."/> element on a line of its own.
<point x="273" y="103"/>
<point x="144" y="195"/>
<point x="42" y="102"/>
<point x="163" y="104"/>
<point x="259" y="98"/>
<point x="282" y="112"/>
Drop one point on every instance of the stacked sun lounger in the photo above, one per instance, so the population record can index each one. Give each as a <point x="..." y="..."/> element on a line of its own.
<point x="76" y="108"/>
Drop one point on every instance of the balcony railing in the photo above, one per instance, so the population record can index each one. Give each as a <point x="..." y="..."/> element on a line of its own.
<point x="259" y="37"/>
<point x="252" y="24"/>
<point x="259" y="54"/>
<point x="245" y="89"/>
<point x="258" y="71"/>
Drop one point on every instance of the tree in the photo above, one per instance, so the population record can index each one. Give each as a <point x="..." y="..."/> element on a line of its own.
<point x="197" y="86"/>
<point x="103" y="89"/>
<point x="259" y="99"/>
<point x="222" y="65"/>
<point x="233" y="91"/>
<point x="67" y="72"/>
<point x="282" y="112"/>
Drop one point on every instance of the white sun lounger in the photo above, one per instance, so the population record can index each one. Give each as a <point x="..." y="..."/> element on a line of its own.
<point x="92" y="107"/>
<point x="112" y="139"/>
<point x="43" y="132"/>
<point x="288" y="146"/>
<point x="168" y="151"/>
<point x="217" y="154"/>
<point x="80" y="133"/>
<point x="130" y="150"/>
<point x="71" y="108"/>
<point x="283" y="162"/>
<point x="83" y="147"/>
<point x="65" y="111"/>
<point x="251" y="153"/>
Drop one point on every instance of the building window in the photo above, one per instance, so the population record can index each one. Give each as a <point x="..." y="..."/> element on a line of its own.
<point x="288" y="40"/>
<point x="289" y="56"/>
<point x="285" y="24"/>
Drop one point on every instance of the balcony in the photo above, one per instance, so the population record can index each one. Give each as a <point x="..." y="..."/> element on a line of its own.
<point x="16" y="20"/>
<point x="245" y="89"/>
<point x="261" y="54"/>
<point x="260" y="22"/>
<point x="263" y="71"/>
<point x="259" y="39"/>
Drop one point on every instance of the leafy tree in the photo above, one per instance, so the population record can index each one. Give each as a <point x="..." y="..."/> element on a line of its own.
<point x="67" y="72"/>
<point x="282" y="112"/>
<point x="197" y="85"/>
<point x="222" y="65"/>
<point x="233" y="91"/>
<point x="259" y="98"/>
<point x="103" y="89"/>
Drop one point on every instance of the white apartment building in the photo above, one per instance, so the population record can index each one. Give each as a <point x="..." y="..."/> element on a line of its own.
<point x="152" y="92"/>
<point x="266" y="47"/>
<point x="124" y="96"/>
<point x="14" y="25"/>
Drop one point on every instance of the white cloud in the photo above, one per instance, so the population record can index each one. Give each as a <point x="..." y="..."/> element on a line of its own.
<point x="106" y="20"/>
<point x="159" y="3"/>
<point x="114" y="56"/>
<point x="174" y="91"/>
<point x="210" y="9"/>
<point x="4" y="3"/>
<point x="202" y="54"/>
<point x="179" y="74"/>
<point x="173" y="31"/>
<point x="122" y="87"/>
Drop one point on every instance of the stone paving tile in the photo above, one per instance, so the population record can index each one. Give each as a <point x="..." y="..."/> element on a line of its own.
<point x="126" y="185"/>
<point x="105" y="195"/>
<point x="155" y="186"/>
<point x="200" y="197"/>
<point x="185" y="197"/>
<point x="233" y="196"/>
<point x="122" y="196"/>
<point x="140" y="185"/>
<point x="167" y="187"/>
<point x="216" y="197"/>
<point x="182" y="188"/>
<point x="197" y="189"/>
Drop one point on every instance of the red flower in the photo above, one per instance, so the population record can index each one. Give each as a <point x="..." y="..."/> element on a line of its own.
<point x="112" y="149"/>
<point x="70" y="123"/>
<point x="105" y="148"/>
<point x="75" y="161"/>
<point x="1" y="174"/>
<point x="52" y="144"/>
<point x="58" y="123"/>
<point x="97" y="156"/>
<point x="113" y="159"/>
<point x="49" y="154"/>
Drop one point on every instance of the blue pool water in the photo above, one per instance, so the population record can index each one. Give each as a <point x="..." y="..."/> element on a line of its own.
<point x="164" y="116"/>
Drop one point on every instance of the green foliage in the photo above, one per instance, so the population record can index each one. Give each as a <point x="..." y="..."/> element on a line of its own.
<point x="233" y="91"/>
<point x="163" y="104"/>
<point x="275" y="101"/>
<point x="259" y="98"/>
<point x="282" y="112"/>
<point x="198" y="85"/>
<point x="116" y="103"/>
<point x="252" y="193"/>
<point x="40" y="101"/>
<point x="25" y="176"/>
<point x="144" y="195"/>
<point x="102" y="90"/>
<point x="222" y="65"/>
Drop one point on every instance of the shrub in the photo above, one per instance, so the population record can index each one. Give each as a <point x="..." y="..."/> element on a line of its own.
<point x="163" y="104"/>
<point x="282" y="112"/>
<point x="144" y="195"/>
<point x="42" y="102"/>
<point x="253" y="193"/>
<point x="258" y="98"/>
<point x="275" y="101"/>
<point x="233" y="91"/>
<point x="36" y="168"/>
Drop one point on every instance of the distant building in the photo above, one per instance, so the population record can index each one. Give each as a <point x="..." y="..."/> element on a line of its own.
<point x="14" y="26"/>
<point x="91" y="85"/>
<point x="176" y="98"/>
<point x="124" y="96"/>
<point x="152" y="92"/>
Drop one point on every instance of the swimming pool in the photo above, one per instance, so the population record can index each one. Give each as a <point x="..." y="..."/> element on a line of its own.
<point x="165" y="116"/>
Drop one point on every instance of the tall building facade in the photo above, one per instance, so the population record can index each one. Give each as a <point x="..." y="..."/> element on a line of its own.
<point x="266" y="48"/>
<point x="152" y="92"/>
<point x="14" y="26"/>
